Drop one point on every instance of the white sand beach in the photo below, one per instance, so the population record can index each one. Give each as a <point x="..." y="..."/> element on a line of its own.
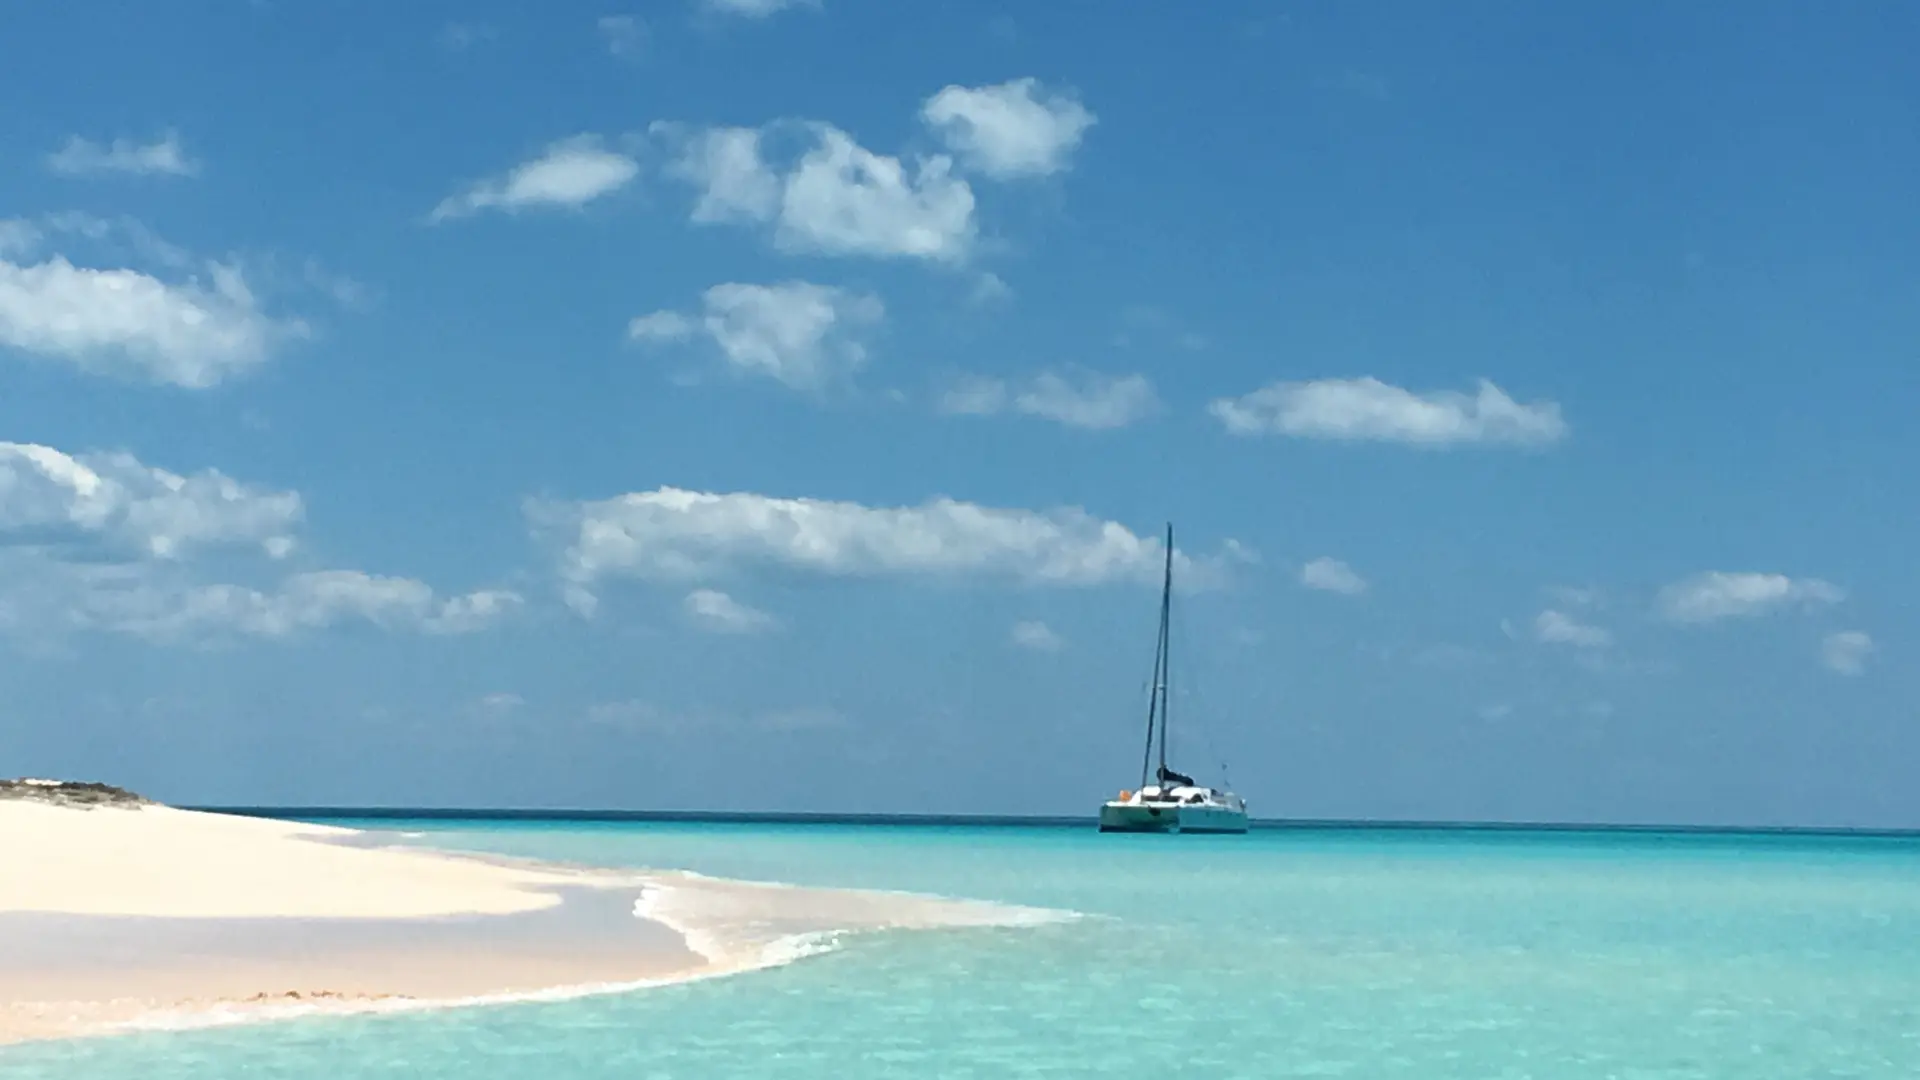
<point x="117" y="915"/>
<point x="114" y="917"/>
<point x="158" y="861"/>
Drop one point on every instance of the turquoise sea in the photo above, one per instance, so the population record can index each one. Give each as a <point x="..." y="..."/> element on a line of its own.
<point x="1424" y="954"/>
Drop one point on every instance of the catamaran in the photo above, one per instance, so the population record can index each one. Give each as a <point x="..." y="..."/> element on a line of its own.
<point x="1173" y="802"/>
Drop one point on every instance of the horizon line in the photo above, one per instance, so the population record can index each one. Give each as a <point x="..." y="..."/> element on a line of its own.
<point x="772" y="817"/>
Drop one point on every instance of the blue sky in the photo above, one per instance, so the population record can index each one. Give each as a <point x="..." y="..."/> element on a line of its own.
<point x="759" y="405"/>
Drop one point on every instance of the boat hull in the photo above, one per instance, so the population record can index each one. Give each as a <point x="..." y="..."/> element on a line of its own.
<point x="1170" y="818"/>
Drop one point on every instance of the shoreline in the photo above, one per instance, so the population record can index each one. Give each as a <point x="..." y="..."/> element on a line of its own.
<point x="144" y="917"/>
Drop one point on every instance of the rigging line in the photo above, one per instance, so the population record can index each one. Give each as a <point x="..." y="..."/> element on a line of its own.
<point x="1153" y="695"/>
<point x="1196" y="717"/>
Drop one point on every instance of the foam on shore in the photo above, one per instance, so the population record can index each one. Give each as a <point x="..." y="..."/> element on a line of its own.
<point x="748" y="925"/>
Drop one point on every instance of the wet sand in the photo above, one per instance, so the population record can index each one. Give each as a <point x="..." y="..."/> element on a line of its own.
<point x="63" y="975"/>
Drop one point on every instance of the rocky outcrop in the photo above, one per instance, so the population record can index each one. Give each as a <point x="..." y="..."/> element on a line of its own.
<point x="69" y="793"/>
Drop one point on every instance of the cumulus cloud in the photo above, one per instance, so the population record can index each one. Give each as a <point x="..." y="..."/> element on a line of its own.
<point x="799" y="334"/>
<point x="735" y="182"/>
<point x="1559" y="628"/>
<point x="1846" y="652"/>
<point x="1716" y="595"/>
<point x="131" y="324"/>
<point x="113" y="503"/>
<point x="1015" y="129"/>
<point x="1075" y="398"/>
<point x="711" y="609"/>
<point x="106" y="542"/>
<point x="1332" y="575"/>
<point x="166" y="602"/>
<point x="838" y="198"/>
<point x="670" y="534"/>
<point x="1367" y="409"/>
<point x="569" y="174"/>
<point x="1036" y="636"/>
<point x="162" y="157"/>
<point x="846" y="200"/>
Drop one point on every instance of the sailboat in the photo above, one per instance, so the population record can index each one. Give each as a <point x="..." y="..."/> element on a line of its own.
<point x="1173" y="802"/>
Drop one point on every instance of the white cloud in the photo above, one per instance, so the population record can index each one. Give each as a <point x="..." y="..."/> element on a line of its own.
<point x="1846" y="652"/>
<point x="162" y="157"/>
<point x="989" y="288"/>
<point x="1037" y="636"/>
<point x="677" y="535"/>
<point x="755" y="9"/>
<point x="797" y="333"/>
<point x="339" y="288"/>
<point x="837" y="199"/>
<point x="713" y="610"/>
<point x="1075" y="398"/>
<point x="306" y="601"/>
<point x="114" y="502"/>
<point x="846" y="200"/>
<point x="42" y="594"/>
<point x="1014" y="129"/>
<point x="1715" y="595"/>
<point x="467" y="612"/>
<point x="128" y="323"/>
<point x="1332" y="575"/>
<point x="1577" y="595"/>
<point x="501" y="703"/>
<point x="571" y="173"/>
<point x="1559" y="628"/>
<point x="974" y="395"/>
<point x="104" y="542"/>
<point x="121" y="238"/>
<point x="735" y="183"/>
<point x="1088" y="400"/>
<point x="661" y="326"/>
<point x="625" y="36"/>
<point x="1367" y="409"/>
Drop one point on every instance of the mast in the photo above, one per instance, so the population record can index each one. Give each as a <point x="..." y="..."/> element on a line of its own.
<point x="1157" y="694"/>
<point x="1166" y="650"/>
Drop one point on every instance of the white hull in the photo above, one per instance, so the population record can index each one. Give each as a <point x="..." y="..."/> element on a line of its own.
<point x="1147" y="815"/>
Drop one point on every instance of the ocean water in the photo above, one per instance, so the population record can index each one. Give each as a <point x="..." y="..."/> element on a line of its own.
<point x="1283" y="953"/>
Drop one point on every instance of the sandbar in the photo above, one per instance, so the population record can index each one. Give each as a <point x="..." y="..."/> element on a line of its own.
<point x="131" y="915"/>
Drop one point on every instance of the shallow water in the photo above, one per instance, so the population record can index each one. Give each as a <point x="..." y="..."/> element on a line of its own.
<point x="1429" y="955"/>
